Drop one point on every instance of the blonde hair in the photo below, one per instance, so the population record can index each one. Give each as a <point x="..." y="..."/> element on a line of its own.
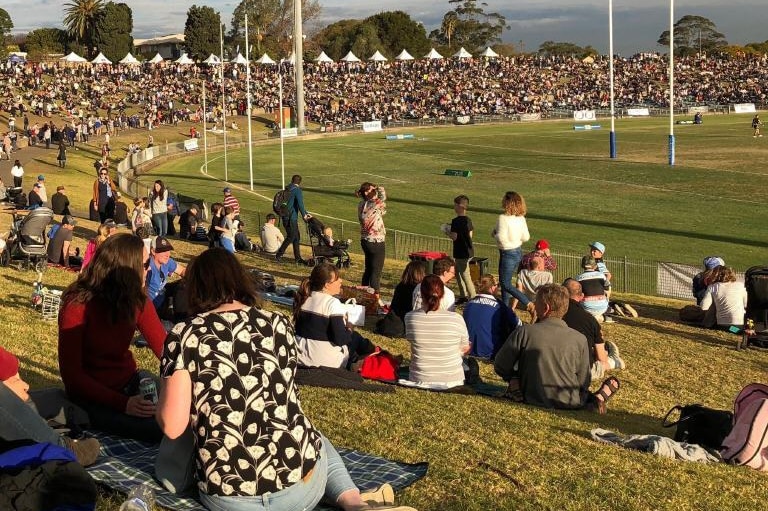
<point x="514" y="204"/>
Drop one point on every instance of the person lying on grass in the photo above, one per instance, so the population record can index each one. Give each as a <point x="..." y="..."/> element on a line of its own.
<point x="547" y="363"/>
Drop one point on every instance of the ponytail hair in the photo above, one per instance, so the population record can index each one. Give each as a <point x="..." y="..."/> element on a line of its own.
<point x="432" y="291"/>
<point x="321" y="275"/>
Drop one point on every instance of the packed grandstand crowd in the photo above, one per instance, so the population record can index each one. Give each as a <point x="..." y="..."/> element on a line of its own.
<point x="347" y="93"/>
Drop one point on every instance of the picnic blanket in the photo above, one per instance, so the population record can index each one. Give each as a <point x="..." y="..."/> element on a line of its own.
<point x="335" y="378"/>
<point x="658" y="445"/>
<point x="125" y="463"/>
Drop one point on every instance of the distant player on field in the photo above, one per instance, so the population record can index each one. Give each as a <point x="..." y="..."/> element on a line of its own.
<point x="756" y="123"/>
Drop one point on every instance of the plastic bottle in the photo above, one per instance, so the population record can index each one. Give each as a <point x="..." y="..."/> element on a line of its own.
<point x="140" y="498"/>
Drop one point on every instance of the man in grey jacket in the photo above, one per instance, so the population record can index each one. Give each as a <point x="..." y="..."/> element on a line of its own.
<point x="547" y="363"/>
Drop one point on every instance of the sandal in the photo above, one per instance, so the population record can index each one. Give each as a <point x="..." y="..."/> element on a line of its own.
<point x="607" y="389"/>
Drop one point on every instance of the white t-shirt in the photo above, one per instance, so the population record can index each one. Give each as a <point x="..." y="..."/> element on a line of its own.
<point x="730" y="300"/>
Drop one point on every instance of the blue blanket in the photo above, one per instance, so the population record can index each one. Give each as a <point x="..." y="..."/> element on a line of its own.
<point x="125" y="463"/>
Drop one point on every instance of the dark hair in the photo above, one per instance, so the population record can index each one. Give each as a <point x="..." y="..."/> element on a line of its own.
<point x="228" y="210"/>
<point x="461" y="199"/>
<point x="321" y="274"/>
<point x="413" y="273"/>
<point x="443" y="265"/>
<point x="432" y="291"/>
<point x="296" y="179"/>
<point x="158" y="194"/>
<point x="271" y="216"/>
<point x="216" y="208"/>
<point x="216" y="277"/>
<point x="364" y="188"/>
<point x="114" y="278"/>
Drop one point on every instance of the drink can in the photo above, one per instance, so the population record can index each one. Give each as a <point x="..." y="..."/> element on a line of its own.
<point x="148" y="389"/>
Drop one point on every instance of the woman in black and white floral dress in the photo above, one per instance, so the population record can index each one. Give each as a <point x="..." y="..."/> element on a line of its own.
<point x="229" y="375"/>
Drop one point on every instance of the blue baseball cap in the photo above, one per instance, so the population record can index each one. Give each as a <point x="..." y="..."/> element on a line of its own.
<point x="713" y="262"/>
<point x="598" y="246"/>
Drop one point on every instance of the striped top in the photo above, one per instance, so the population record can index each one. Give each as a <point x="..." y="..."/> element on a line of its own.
<point x="436" y="340"/>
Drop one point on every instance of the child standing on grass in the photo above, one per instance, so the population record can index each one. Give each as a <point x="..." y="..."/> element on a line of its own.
<point x="461" y="233"/>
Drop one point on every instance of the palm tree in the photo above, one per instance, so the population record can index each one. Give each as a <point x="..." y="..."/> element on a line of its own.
<point x="81" y="19"/>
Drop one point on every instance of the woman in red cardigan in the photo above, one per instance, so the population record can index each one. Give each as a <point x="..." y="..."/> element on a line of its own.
<point x="99" y="315"/>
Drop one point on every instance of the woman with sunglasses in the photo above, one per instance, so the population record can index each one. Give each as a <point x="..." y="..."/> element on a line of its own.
<point x="99" y="315"/>
<point x="323" y="336"/>
<point x="229" y="378"/>
<point x="104" y="192"/>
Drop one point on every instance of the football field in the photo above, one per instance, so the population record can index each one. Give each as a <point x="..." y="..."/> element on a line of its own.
<point x="713" y="201"/>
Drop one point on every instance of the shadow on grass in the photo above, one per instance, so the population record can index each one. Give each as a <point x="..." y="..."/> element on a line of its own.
<point x="42" y="378"/>
<point x="705" y="337"/>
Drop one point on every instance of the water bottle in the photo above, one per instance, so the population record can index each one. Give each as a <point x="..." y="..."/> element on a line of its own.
<point x="140" y="498"/>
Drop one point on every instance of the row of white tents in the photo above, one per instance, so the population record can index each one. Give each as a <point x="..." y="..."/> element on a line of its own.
<point x="266" y="59"/>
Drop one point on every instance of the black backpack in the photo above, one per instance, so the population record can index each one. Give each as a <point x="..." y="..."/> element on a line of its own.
<point x="280" y="202"/>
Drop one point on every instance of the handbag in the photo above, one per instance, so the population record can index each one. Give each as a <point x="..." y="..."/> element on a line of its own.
<point x="700" y="425"/>
<point x="355" y="312"/>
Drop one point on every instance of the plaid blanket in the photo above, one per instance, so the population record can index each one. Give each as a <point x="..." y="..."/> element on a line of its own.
<point x="125" y="463"/>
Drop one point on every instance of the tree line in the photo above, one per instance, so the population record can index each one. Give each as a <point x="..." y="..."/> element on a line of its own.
<point x="93" y="26"/>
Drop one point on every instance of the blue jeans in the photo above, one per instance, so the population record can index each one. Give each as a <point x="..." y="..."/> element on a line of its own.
<point x="509" y="260"/>
<point x="330" y="479"/>
<point x="227" y="245"/>
<point x="19" y="420"/>
<point x="160" y="222"/>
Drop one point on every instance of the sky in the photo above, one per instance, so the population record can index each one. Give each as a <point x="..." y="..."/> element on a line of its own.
<point x="637" y="23"/>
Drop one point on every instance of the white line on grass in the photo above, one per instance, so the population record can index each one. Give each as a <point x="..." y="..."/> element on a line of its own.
<point x="559" y="174"/>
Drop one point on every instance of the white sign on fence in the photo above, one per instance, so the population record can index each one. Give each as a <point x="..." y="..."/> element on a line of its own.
<point x="530" y="117"/>
<point x="744" y="108"/>
<point x="190" y="144"/>
<point x="638" y="112"/>
<point x="289" y="132"/>
<point x="584" y="115"/>
<point x="698" y="109"/>
<point x="371" y="126"/>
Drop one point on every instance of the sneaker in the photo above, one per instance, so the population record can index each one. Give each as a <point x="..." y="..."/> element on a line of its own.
<point x="613" y="354"/>
<point x="278" y="258"/>
<point x="630" y="310"/>
<point x="86" y="451"/>
<point x="608" y="319"/>
<point x="383" y="495"/>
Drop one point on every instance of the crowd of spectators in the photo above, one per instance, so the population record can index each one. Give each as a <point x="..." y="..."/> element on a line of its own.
<point x="346" y="93"/>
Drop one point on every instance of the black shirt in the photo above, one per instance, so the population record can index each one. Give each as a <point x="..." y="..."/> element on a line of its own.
<point x="462" y="247"/>
<point x="60" y="203"/>
<point x="584" y="322"/>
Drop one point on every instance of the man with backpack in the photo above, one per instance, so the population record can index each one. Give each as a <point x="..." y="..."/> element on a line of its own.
<point x="288" y="204"/>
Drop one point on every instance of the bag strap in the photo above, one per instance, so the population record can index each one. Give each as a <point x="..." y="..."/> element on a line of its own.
<point x="665" y="424"/>
<point x="351" y="301"/>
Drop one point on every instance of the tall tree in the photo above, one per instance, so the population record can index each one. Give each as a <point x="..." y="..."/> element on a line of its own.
<point x="201" y="31"/>
<point x="269" y="22"/>
<point x="561" y="49"/>
<point x="694" y="34"/>
<point x="42" y="41"/>
<point x="468" y="25"/>
<point x="6" y="25"/>
<point x="81" y="18"/>
<point x="397" y="30"/>
<point x="113" y="31"/>
<point x="337" y="38"/>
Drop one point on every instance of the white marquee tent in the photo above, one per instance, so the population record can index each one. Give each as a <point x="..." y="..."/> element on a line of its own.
<point x="156" y="59"/>
<point x="265" y="59"/>
<point x="212" y="60"/>
<point x="239" y="59"/>
<point x="462" y="54"/>
<point x="404" y="55"/>
<point x="129" y="59"/>
<point x="489" y="53"/>
<point x="184" y="60"/>
<point x="101" y="59"/>
<point x="323" y="58"/>
<point x="378" y="57"/>
<point x="433" y="55"/>
<point x="350" y="57"/>
<point x="73" y="57"/>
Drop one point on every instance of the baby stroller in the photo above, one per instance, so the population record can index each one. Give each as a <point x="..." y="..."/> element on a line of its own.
<point x="26" y="241"/>
<point x="325" y="248"/>
<point x="756" y="282"/>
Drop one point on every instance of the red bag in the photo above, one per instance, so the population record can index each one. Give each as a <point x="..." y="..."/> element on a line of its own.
<point x="380" y="365"/>
<point x="747" y="444"/>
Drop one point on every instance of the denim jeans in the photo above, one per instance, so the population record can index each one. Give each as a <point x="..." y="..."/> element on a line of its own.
<point x="329" y="479"/>
<point x="509" y="260"/>
<point x="19" y="420"/>
<point x="227" y="244"/>
<point x="160" y="222"/>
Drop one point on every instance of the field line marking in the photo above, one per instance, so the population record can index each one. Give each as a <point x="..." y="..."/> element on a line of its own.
<point x="560" y="174"/>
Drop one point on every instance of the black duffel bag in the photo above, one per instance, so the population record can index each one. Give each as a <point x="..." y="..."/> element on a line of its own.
<point x="700" y="425"/>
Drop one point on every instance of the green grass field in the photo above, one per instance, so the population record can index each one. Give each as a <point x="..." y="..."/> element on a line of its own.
<point x="488" y="454"/>
<point x="712" y="201"/>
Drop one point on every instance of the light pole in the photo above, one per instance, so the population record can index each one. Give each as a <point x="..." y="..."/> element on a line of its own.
<point x="298" y="51"/>
<point x="248" y="99"/>
<point x="671" y="82"/>
<point x="223" y="101"/>
<point x="612" y="135"/>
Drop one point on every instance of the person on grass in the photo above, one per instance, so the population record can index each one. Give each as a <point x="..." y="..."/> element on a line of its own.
<point x="229" y="376"/>
<point x="728" y="297"/>
<point x="461" y="231"/>
<point x="445" y="270"/>
<point x="99" y="315"/>
<point x="547" y="363"/>
<point x="511" y="232"/>
<point x="489" y="321"/>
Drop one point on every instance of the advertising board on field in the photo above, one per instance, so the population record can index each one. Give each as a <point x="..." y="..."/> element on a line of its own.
<point x="289" y="132"/>
<point x="190" y="144"/>
<point x="698" y="109"/>
<point x="371" y="126"/>
<point x="744" y="108"/>
<point x="530" y="117"/>
<point x="584" y="115"/>
<point x="638" y="112"/>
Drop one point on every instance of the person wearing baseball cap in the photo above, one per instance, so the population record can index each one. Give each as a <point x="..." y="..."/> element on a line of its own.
<point x="596" y="250"/>
<point x="161" y="267"/>
<point x="59" y="246"/>
<point x="541" y="250"/>
<point x="704" y="278"/>
<point x="19" y="419"/>
<point x="41" y="188"/>
<point x="231" y="201"/>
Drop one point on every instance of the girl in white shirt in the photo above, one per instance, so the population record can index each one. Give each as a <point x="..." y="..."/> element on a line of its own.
<point x="511" y="232"/>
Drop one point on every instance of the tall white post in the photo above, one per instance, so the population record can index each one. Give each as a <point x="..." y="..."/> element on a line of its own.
<point x="205" y="126"/>
<point x="298" y="51"/>
<point x="248" y="100"/>
<point x="223" y="102"/>
<point x="672" y="82"/>
<point x="282" y="147"/>
<point x="612" y="136"/>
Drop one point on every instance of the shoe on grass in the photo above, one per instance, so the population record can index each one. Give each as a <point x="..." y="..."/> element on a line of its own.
<point x="630" y="310"/>
<point x="86" y="451"/>
<point x="384" y="495"/>
<point x="607" y="319"/>
<point x="613" y="354"/>
<point x="616" y="307"/>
